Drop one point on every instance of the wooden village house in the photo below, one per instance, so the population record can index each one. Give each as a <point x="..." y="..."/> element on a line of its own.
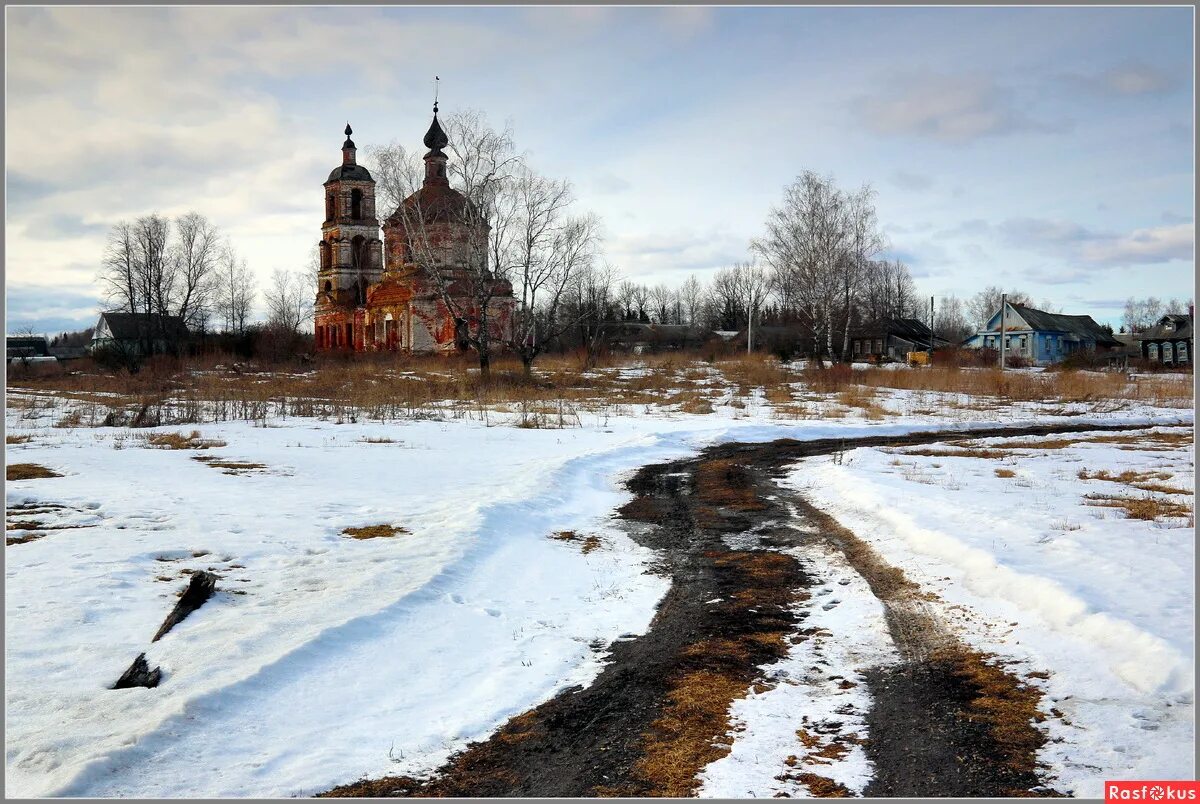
<point x="1040" y="337"/>
<point x="1169" y="342"/>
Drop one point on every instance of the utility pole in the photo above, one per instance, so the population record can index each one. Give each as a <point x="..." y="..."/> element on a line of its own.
<point x="750" y="325"/>
<point x="931" y="330"/>
<point x="1003" y="308"/>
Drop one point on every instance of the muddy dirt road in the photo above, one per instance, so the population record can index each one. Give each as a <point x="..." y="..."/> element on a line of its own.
<point x="944" y="722"/>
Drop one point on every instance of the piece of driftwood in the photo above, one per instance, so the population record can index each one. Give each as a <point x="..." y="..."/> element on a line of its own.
<point x="199" y="589"/>
<point x="139" y="674"/>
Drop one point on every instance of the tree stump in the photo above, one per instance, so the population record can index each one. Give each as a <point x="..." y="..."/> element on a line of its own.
<point x="200" y="589"/>
<point x="139" y="674"/>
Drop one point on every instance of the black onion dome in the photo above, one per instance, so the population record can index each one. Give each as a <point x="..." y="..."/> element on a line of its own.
<point x="349" y="173"/>
<point x="435" y="138"/>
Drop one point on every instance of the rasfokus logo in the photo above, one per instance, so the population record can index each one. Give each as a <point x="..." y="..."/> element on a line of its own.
<point x="1151" y="791"/>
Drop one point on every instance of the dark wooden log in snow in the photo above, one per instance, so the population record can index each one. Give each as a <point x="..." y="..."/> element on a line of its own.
<point x="200" y="589"/>
<point x="139" y="674"/>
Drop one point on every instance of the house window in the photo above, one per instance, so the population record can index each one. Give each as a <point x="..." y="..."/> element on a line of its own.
<point x="1025" y="344"/>
<point x="1152" y="352"/>
<point x="1181" y="352"/>
<point x="878" y="347"/>
<point x="1168" y="353"/>
<point x="858" y="347"/>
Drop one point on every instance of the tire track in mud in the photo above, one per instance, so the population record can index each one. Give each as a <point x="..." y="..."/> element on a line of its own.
<point x="945" y="721"/>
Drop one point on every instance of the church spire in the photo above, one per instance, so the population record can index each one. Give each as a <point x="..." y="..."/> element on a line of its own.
<point x="348" y="149"/>
<point x="435" y="140"/>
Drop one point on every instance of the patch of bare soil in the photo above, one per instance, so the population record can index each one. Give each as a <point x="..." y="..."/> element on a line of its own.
<point x="946" y="721"/>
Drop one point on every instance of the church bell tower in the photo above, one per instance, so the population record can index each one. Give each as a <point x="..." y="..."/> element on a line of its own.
<point x="351" y="253"/>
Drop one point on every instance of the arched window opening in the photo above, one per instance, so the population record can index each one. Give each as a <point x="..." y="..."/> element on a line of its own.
<point x="358" y="253"/>
<point x="330" y="207"/>
<point x="356" y="204"/>
<point x="328" y="286"/>
<point x="326" y="256"/>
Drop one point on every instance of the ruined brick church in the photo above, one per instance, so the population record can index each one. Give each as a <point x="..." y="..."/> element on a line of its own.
<point x="392" y="295"/>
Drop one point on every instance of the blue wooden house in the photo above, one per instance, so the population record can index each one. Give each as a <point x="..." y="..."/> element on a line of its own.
<point x="1042" y="338"/>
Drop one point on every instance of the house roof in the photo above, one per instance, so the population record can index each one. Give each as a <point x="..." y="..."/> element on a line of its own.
<point x="131" y="326"/>
<point x="1180" y="326"/>
<point x="911" y="329"/>
<point x="31" y="344"/>
<point x="1083" y="326"/>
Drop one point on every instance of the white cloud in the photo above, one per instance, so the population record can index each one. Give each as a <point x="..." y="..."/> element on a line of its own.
<point x="1142" y="246"/>
<point x="948" y="108"/>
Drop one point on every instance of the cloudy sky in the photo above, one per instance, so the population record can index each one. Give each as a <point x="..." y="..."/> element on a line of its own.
<point x="1048" y="150"/>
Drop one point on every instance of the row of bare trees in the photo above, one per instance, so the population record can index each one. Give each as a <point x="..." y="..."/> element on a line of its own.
<point x="185" y="268"/>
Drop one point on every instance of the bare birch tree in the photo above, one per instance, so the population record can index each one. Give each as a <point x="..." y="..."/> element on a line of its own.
<point x="233" y="294"/>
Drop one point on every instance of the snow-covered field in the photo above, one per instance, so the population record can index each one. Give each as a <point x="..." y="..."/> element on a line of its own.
<point x="1027" y="567"/>
<point x="324" y="658"/>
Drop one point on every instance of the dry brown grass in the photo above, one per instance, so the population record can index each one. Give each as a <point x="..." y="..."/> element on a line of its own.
<point x="1005" y="473"/>
<point x="693" y="728"/>
<point x="27" y="471"/>
<point x="387" y="387"/>
<point x="586" y="543"/>
<point x="1008" y="707"/>
<point x="17" y="439"/>
<point x="1147" y="507"/>
<point x="28" y="537"/>
<point x="1022" y="386"/>
<point x="864" y="399"/>
<point x="230" y="467"/>
<point x="823" y="787"/>
<point x="374" y="531"/>
<point x="985" y="453"/>
<point x="1142" y="481"/>
<point x="691" y="733"/>
<point x="191" y="440"/>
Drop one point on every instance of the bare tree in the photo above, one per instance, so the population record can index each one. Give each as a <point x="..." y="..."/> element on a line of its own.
<point x="547" y="251"/>
<point x="120" y="274"/>
<point x="888" y="291"/>
<point x="194" y="260"/>
<point x="288" y="300"/>
<point x="950" y="321"/>
<point x="984" y="304"/>
<point x="233" y="294"/>
<point x="625" y="294"/>
<point x="691" y="296"/>
<point x="593" y="297"/>
<point x="863" y="242"/>
<point x="641" y="300"/>
<point x="483" y="166"/>
<point x="805" y="247"/>
<point x="1141" y="314"/>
